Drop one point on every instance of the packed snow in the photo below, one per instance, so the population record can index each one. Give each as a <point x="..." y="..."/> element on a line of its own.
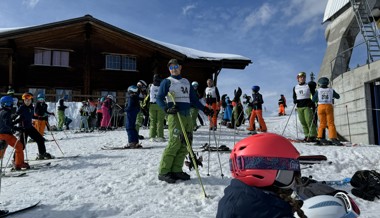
<point x="124" y="183"/>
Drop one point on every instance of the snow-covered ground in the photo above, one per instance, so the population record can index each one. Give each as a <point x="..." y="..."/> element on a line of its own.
<point x="123" y="183"/>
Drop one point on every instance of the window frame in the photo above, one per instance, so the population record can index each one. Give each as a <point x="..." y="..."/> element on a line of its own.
<point x="48" y="57"/>
<point x="121" y="62"/>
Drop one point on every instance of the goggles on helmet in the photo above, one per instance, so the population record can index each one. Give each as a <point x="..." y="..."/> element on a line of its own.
<point x="351" y="208"/>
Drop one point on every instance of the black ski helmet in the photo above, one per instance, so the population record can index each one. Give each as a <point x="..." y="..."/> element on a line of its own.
<point x="323" y="82"/>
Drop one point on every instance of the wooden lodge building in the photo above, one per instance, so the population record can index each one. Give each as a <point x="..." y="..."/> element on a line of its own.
<point x="86" y="57"/>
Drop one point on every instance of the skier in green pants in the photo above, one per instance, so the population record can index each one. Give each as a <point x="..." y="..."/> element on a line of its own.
<point x="156" y="114"/>
<point x="175" y="152"/>
<point x="302" y="97"/>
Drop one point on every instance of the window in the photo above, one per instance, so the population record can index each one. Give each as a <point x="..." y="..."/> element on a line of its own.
<point x="36" y="92"/>
<point x="120" y="62"/>
<point x="63" y="93"/>
<point x="48" y="57"/>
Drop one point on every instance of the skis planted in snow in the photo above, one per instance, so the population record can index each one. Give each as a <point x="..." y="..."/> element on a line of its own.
<point x="8" y="213"/>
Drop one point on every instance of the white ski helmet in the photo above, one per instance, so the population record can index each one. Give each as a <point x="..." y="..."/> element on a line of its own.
<point x="142" y="83"/>
<point x="110" y="97"/>
<point x="326" y="206"/>
<point x="195" y="83"/>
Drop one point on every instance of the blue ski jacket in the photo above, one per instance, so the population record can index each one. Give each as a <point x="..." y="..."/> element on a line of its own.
<point x="243" y="201"/>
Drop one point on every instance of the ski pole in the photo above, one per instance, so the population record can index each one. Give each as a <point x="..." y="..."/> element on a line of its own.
<point x="188" y="146"/>
<point x="52" y="135"/>
<point x="13" y="150"/>
<point x="348" y="124"/>
<point x="295" y="115"/>
<point x="62" y="128"/>
<point x="209" y="152"/>
<point x="3" y="145"/>
<point x="217" y="151"/>
<point x="291" y="112"/>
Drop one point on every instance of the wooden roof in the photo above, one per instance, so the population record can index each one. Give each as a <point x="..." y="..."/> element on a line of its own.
<point x="87" y="23"/>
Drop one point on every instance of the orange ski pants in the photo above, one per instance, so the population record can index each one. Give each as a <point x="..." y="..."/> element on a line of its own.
<point x="326" y="119"/>
<point x="281" y="109"/>
<point x="259" y="114"/>
<point x="40" y="126"/>
<point x="214" y="117"/>
<point x="16" y="144"/>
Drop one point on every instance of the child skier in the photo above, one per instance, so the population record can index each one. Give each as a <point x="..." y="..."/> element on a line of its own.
<point x="281" y="105"/>
<point x="41" y="114"/>
<point x="156" y="114"/>
<point x="132" y="109"/>
<point x="302" y="93"/>
<point x="212" y="102"/>
<point x="84" y="113"/>
<point x="106" y="113"/>
<point x="257" y="110"/>
<point x="24" y="117"/>
<point x="6" y="129"/>
<point x="324" y="96"/>
<point x="61" y="107"/>
<point x="265" y="168"/>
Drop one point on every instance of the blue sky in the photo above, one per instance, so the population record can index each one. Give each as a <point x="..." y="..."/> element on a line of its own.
<point x="281" y="37"/>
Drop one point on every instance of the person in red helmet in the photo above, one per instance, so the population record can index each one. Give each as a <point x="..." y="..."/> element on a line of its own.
<point x="265" y="167"/>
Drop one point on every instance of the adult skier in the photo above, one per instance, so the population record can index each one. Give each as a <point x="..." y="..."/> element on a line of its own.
<point x="132" y="109"/>
<point x="175" y="152"/>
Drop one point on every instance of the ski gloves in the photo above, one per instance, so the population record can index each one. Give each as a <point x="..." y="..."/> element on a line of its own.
<point x="172" y="110"/>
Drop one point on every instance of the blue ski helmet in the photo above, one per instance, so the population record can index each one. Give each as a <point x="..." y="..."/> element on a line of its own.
<point x="40" y="97"/>
<point x="255" y="88"/>
<point x="133" y="89"/>
<point x="6" y="101"/>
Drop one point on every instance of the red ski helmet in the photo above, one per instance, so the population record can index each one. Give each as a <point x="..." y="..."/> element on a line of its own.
<point x="263" y="160"/>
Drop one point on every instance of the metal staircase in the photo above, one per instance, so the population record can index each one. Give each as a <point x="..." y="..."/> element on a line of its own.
<point x="367" y="27"/>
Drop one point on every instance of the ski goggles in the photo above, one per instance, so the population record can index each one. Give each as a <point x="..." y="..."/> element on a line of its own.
<point x="173" y="67"/>
<point x="352" y="210"/>
<point x="273" y="163"/>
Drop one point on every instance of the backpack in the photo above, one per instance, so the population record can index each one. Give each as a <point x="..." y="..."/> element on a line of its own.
<point x="366" y="184"/>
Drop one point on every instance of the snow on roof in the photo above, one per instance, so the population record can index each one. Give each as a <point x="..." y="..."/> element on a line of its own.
<point x="332" y="7"/>
<point x="3" y="30"/>
<point x="196" y="54"/>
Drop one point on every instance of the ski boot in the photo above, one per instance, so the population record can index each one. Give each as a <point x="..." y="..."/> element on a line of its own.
<point x="21" y="166"/>
<point x="45" y="156"/>
<point x="336" y="142"/>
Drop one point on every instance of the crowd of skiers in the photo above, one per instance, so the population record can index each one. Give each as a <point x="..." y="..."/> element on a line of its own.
<point x="265" y="166"/>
